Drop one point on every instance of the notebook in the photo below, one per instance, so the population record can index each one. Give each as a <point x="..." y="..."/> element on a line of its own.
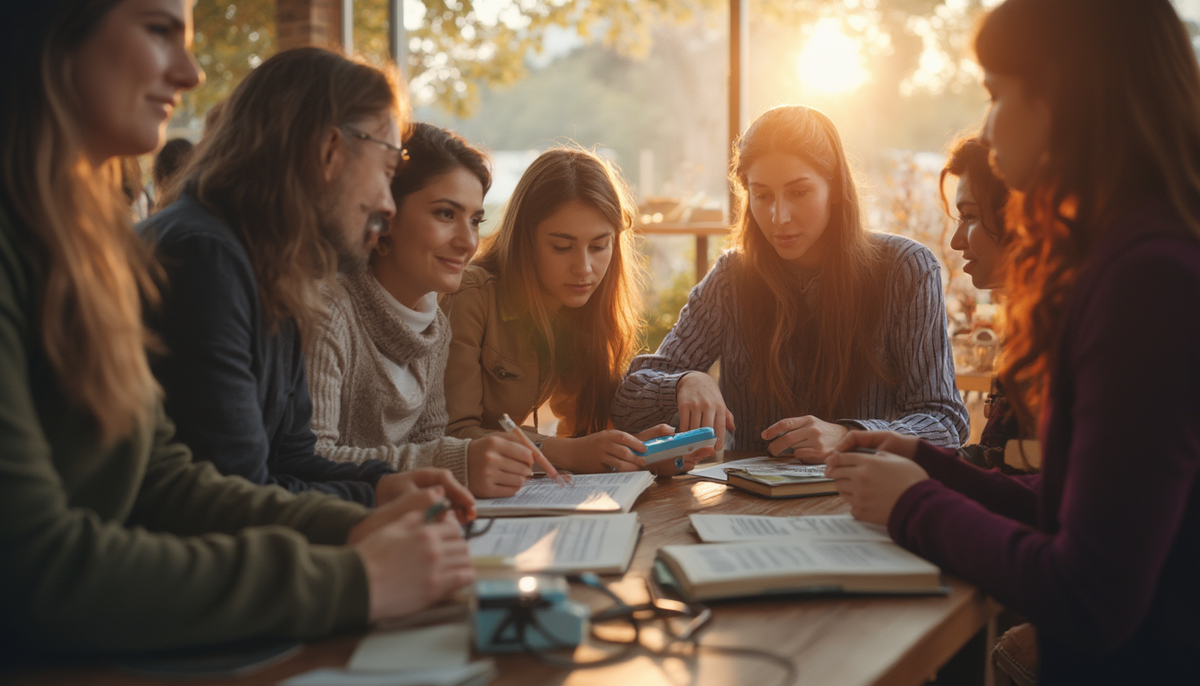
<point x="602" y="544"/>
<point x="775" y="484"/>
<point x="787" y="566"/>
<point x="588" y="493"/>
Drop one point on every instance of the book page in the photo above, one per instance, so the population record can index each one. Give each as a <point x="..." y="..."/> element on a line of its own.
<point x="430" y="647"/>
<point x="561" y="544"/>
<point x="587" y="493"/>
<point x="705" y="563"/>
<point x="762" y="465"/>
<point x="717" y="528"/>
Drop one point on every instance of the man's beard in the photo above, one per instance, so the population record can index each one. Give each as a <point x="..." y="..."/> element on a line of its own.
<point x="353" y="256"/>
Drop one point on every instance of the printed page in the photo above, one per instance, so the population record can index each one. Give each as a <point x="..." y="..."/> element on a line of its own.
<point x="762" y="465"/>
<point x="431" y="647"/>
<point x="597" y="543"/>
<point x="706" y="563"/>
<point x="716" y="528"/>
<point x="587" y="493"/>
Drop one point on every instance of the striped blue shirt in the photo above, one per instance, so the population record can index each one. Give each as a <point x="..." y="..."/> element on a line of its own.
<point x="913" y="340"/>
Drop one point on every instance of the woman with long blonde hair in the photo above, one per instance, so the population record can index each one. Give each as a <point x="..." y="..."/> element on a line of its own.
<point x="820" y="326"/>
<point x="112" y="540"/>
<point x="1095" y="124"/>
<point x="550" y="310"/>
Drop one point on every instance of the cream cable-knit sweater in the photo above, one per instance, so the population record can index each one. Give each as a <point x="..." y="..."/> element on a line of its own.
<point x="357" y="412"/>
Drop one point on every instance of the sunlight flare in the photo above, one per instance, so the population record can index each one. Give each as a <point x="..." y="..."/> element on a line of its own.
<point x="830" y="62"/>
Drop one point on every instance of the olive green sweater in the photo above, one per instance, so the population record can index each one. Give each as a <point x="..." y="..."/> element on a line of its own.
<point x="134" y="547"/>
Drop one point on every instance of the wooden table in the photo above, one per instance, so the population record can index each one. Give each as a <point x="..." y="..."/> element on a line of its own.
<point x="832" y="641"/>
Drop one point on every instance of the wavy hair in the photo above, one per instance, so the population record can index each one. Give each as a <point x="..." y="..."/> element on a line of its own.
<point x="259" y="168"/>
<point x="595" y="342"/>
<point x="1123" y="87"/>
<point x="73" y="223"/>
<point x="433" y="151"/>
<point x="807" y="362"/>
<point x="968" y="157"/>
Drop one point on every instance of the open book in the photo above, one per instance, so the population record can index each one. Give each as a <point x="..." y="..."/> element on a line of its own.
<point x="579" y="543"/>
<point x="588" y="493"/>
<point x="794" y="565"/>
<point x="719" y="528"/>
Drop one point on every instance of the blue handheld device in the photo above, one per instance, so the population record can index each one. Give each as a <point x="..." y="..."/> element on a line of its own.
<point x="678" y="445"/>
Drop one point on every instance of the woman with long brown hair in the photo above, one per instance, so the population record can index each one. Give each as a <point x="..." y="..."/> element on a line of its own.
<point x="820" y="326"/>
<point x="1095" y="125"/>
<point x="111" y="538"/>
<point x="549" y="310"/>
<point x="376" y="370"/>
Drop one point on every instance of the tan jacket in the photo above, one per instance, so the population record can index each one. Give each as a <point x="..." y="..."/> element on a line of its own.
<point x="493" y="366"/>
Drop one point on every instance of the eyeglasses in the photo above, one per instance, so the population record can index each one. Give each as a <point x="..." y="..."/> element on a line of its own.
<point x="400" y="153"/>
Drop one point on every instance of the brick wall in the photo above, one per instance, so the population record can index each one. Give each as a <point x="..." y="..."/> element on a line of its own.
<point x="308" y="22"/>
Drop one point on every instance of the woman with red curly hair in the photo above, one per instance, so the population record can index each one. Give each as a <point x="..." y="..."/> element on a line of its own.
<point x="1095" y="125"/>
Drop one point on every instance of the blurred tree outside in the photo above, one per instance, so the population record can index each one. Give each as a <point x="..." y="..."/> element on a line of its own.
<point x="650" y="75"/>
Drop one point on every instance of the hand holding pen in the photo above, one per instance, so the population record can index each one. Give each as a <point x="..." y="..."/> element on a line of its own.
<point x="511" y="427"/>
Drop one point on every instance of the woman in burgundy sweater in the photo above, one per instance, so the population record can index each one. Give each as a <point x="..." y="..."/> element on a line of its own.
<point x="1095" y="123"/>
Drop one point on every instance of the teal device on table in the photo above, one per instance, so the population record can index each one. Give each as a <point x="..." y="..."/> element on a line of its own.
<point x="678" y="445"/>
<point x="528" y="612"/>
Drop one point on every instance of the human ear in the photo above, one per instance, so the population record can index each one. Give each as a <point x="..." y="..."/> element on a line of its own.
<point x="333" y="154"/>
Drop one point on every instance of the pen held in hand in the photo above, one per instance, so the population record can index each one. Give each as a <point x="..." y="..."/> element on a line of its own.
<point x="511" y="427"/>
<point x="435" y="510"/>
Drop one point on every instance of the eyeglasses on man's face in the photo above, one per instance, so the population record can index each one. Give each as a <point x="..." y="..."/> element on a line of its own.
<point x="398" y="155"/>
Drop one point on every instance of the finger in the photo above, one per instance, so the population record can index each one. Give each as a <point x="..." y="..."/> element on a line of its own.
<point x="507" y="480"/>
<point x="624" y="465"/>
<point x="626" y="457"/>
<point x="621" y="438"/>
<point x="517" y="452"/>
<point x="719" y="430"/>
<point x="513" y="466"/>
<point x="411" y="521"/>
<point x="779" y="445"/>
<point x="655" y="432"/>
<point x="729" y="423"/>
<point x="780" y="427"/>
<point x="446" y="531"/>
<point x="687" y="419"/>
<point x="457" y="494"/>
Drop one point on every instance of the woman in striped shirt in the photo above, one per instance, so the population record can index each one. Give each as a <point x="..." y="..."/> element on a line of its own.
<point x="820" y="326"/>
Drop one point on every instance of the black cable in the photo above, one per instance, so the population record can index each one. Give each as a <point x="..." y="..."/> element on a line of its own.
<point x="524" y="617"/>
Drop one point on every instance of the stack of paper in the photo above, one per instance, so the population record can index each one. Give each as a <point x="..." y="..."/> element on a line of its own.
<point x="591" y="493"/>
<point x="762" y="465"/>
<point x="717" y="528"/>
<point x="428" y="656"/>
<point x="580" y="543"/>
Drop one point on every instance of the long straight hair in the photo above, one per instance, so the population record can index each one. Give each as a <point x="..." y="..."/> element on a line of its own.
<point x="73" y="223"/>
<point x="596" y="341"/>
<point x="807" y="362"/>
<point x="259" y="169"/>
<point x="1123" y="87"/>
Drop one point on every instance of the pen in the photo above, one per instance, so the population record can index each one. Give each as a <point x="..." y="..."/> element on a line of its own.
<point x="435" y="510"/>
<point x="511" y="427"/>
